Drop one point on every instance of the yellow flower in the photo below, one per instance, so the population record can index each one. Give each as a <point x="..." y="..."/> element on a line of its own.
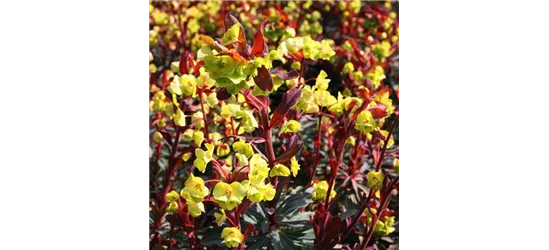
<point x="396" y="165"/>
<point x="220" y="217"/>
<point x="172" y="196"/>
<point x="339" y="106"/>
<point x="376" y="76"/>
<point x="324" y="98"/>
<point x="203" y="157"/>
<point x="231" y="237"/>
<point x="196" y="189"/>
<point x="249" y="123"/>
<point x="223" y="150"/>
<point x="199" y="118"/>
<point x="258" y="192"/>
<point x="291" y="126"/>
<point x="279" y="170"/>
<point x="306" y="102"/>
<point x="172" y="207"/>
<point x="365" y="122"/>
<point x="374" y="180"/>
<point x="321" y="81"/>
<point x="175" y="86"/>
<point x="186" y="156"/>
<point x="259" y="169"/>
<point x="188" y="85"/>
<point x="244" y="148"/>
<point x="188" y="135"/>
<point x="198" y="137"/>
<point x="321" y="190"/>
<point x="348" y="68"/>
<point x="229" y="196"/>
<point x="157" y="137"/>
<point x="179" y="118"/>
<point x="242" y="159"/>
<point x="294" y="166"/>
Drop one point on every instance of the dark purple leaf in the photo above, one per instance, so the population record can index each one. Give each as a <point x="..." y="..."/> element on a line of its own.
<point x="263" y="79"/>
<point x="289" y="100"/>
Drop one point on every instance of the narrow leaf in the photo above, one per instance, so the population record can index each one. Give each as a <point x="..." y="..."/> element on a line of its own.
<point x="230" y="20"/>
<point x="258" y="49"/>
<point x="263" y="79"/>
<point x="285" y="75"/>
<point x="288" y="154"/>
<point x="289" y="100"/>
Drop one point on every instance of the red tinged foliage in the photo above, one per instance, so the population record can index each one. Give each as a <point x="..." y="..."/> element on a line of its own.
<point x="326" y="228"/>
<point x="230" y="20"/>
<point x="289" y="100"/>
<point x="285" y="75"/>
<point x="263" y="79"/>
<point x="259" y="103"/>
<point x="258" y="48"/>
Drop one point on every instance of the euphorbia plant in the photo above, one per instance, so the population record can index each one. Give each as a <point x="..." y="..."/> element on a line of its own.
<point x="247" y="151"/>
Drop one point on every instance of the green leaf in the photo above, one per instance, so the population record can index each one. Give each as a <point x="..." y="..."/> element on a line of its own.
<point x="349" y="212"/>
<point x="257" y="242"/>
<point x="294" y="202"/>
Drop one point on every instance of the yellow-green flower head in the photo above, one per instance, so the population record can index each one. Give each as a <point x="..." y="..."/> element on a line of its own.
<point x="387" y="225"/>
<point x="157" y="137"/>
<point x="294" y="165"/>
<point x="296" y="65"/>
<point x="244" y="148"/>
<point x="381" y="50"/>
<point x="306" y="102"/>
<point x="348" y="68"/>
<point x="229" y="196"/>
<point x="374" y="180"/>
<point x="195" y="188"/>
<point x="203" y="157"/>
<point x="326" y="51"/>
<point x="175" y="86"/>
<point x="198" y="137"/>
<point x="198" y="119"/>
<point x="291" y="126"/>
<point x="259" y="169"/>
<point x="186" y="156"/>
<point x="347" y="46"/>
<point x="321" y="190"/>
<point x="249" y="123"/>
<point x="258" y="192"/>
<point x="365" y="122"/>
<point x="211" y="100"/>
<point x="385" y="100"/>
<point x="179" y="118"/>
<point x="231" y="237"/>
<point x="195" y="208"/>
<point x="321" y="81"/>
<point x="223" y="150"/>
<point x="188" y="135"/>
<point x="376" y="76"/>
<point x="172" y="196"/>
<point x="279" y="170"/>
<point x="324" y="98"/>
<point x="172" y="207"/>
<point x="242" y="159"/>
<point x="339" y="106"/>
<point x="358" y="76"/>
<point x="220" y="217"/>
<point x="396" y="165"/>
<point x="188" y="85"/>
<point x="355" y="6"/>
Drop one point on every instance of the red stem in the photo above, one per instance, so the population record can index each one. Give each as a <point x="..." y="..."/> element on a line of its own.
<point x="204" y="115"/>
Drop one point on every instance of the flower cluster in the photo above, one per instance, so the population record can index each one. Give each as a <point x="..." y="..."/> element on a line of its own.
<point x="266" y="118"/>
